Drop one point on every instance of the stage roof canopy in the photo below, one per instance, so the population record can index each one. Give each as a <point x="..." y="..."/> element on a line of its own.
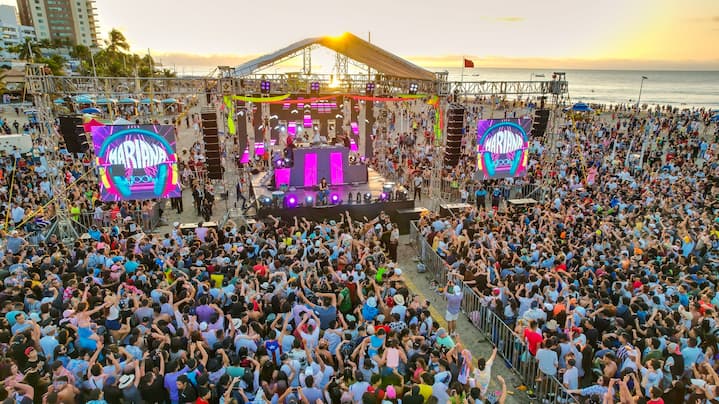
<point x="351" y="46"/>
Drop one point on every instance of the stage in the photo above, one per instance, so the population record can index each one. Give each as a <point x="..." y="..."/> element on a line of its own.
<point x="294" y="201"/>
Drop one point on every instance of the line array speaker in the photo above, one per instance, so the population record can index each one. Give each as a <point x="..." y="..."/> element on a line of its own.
<point x="455" y="131"/>
<point x="73" y="133"/>
<point x="539" y="123"/>
<point x="212" y="145"/>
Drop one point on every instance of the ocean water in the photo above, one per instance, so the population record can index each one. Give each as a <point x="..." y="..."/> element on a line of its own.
<point x="678" y="88"/>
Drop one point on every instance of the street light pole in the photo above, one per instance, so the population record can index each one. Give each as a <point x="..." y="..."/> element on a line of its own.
<point x="640" y="91"/>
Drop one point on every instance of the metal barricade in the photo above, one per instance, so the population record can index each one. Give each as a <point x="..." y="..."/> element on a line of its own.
<point x="510" y="346"/>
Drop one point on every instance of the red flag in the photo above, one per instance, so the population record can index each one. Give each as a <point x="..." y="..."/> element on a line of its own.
<point x="468" y="63"/>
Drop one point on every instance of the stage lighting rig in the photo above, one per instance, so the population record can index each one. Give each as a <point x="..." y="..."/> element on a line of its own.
<point x="369" y="88"/>
<point x="315" y="88"/>
<point x="413" y="88"/>
<point x="265" y="87"/>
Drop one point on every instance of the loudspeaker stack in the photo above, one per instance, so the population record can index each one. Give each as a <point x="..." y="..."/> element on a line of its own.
<point x="73" y="133"/>
<point x="212" y="145"/>
<point x="455" y="130"/>
<point x="539" y="123"/>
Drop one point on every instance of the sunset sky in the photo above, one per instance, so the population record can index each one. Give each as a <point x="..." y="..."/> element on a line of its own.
<point x="517" y="33"/>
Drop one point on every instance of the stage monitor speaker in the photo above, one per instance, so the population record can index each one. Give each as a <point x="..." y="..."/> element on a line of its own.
<point x="539" y="123"/>
<point x="73" y="133"/>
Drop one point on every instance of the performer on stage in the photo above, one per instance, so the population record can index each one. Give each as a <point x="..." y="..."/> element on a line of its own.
<point x="324" y="191"/>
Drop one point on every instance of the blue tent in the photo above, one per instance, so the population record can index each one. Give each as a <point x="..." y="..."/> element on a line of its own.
<point x="169" y="101"/>
<point x="81" y="99"/>
<point x="579" y="107"/>
<point x="104" y="101"/>
<point x="59" y="101"/>
<point x="90" y="111"/>
<point x="128" y="100"/>
<point x="146" y="101"/>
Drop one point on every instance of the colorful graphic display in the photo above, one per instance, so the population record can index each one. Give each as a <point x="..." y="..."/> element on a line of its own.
<point x="502" y="148"/>
<point x="136" y="162"/>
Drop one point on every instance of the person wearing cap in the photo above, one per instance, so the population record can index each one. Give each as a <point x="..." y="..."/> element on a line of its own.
<point x="453" y="294"/>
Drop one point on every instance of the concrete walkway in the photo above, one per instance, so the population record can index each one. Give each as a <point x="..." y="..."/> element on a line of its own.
<point x="472" y="338"/>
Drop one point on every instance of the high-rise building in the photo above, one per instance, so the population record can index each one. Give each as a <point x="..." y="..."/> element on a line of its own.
<point x="71" y="20"/>
<point x="11" y="32"/>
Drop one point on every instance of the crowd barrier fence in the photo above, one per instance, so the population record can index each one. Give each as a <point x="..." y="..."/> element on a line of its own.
<point x="509" y="344"/>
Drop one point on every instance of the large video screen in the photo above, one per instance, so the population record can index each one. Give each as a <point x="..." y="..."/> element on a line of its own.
<point x="136" y="162"/>
<point x="502" y="148"/>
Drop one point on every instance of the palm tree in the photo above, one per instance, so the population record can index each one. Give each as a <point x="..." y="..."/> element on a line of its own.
<point x="80" y="52"/>
<point x="116" y="42"/>
<point x="27" y="50"/>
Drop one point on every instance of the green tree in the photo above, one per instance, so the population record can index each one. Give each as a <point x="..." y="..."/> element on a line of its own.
<point x="80" y="52"/>
<point x="168" y="73"/>
<point x="28" y="50"/>
<point x="56" y="63"/>
<point x="116" y="42"/>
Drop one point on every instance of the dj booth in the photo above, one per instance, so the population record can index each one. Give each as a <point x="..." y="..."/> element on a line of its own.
<point x="311" y="164"/>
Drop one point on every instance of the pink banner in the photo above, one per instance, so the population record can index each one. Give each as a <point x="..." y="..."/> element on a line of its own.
<point x="282" y="176"/>
<point x="310" y="170"/>
<point x="336" y="170"/>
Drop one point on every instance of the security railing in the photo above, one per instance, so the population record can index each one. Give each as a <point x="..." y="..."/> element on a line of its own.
<point x="509" y="344"/>
<point x="451" y="191"/>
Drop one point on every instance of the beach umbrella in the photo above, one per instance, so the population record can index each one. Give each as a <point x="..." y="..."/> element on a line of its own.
<point x="715" y="118"/>
<point x="104" y="101"/>
<point x="169" y="101"/>
<point x="81" y="99"/>
<point x="90" y="111"/>
<point x="91" y="123"/>
<point x="581" y="107"/>
<point x="146" y="101"/>
<point x="128" y="100"/>
<point x="59" y="101"/>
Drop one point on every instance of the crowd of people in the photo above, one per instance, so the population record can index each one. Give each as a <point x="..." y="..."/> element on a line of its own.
<point x="610" y="282"/>
<point x="610" y="279"/>
<point x="281" y="312"/>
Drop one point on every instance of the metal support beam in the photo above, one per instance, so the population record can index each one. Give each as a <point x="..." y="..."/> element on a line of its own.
<point x="307" y="60"/>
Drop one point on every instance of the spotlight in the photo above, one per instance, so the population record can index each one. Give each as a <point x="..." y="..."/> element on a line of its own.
<point x="290" y="201"/>
<point x="368" y="197"/>
<point x="308" y="200"/>
<point x="335" y="199"/>
<point x="349" y="197"/>
<point x="265" y="200"/>
<point x="315" y="88"/>
<point x="383" y="197"/>
<point x="369" y="88"/>
<point x="358" y="198"/>
<point x="265" y="86"/>
<point x="413" y="88"/>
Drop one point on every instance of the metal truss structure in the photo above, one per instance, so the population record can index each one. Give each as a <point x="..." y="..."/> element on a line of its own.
<point x="226" y="81"/>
